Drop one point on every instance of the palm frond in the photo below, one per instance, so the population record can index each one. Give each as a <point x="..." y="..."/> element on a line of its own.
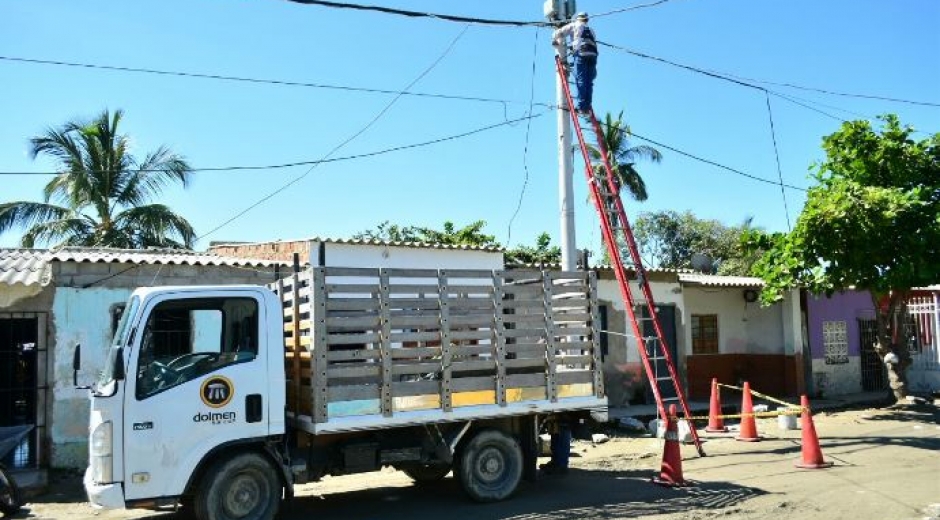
<point x="76" y="231"/>
<point x="155" y="225"/>
<point x="148" y="178"/>
<point x="27" y="214"/>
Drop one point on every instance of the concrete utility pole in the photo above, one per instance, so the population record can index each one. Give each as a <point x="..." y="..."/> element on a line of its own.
<point x="557" y="10"/>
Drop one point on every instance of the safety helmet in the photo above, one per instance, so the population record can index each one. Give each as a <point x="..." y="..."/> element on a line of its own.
<point x="582" y="16"/>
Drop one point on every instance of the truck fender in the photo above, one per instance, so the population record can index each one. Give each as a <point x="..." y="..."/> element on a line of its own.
<point x="263" y="445"/>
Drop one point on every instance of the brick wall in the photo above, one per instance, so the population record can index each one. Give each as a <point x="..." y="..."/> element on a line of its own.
<point x="281" y="251"/>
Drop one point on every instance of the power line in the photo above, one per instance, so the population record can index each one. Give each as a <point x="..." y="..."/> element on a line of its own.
<point x="368" y="125"/>
<point x="510" y="122"/>
<point x="731" y="78"/>
<point x="773" y="134"/>
<point x="244" y="79"/>
<point x="525" y="151"/>
<point x="422" y="14"/>
<point x="631" y="8"/>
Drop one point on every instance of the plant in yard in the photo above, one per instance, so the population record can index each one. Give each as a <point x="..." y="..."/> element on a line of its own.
<point x="100" y="195"/>
<point x="872" y="223"/>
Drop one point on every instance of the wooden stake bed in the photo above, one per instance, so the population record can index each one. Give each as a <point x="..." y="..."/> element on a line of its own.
<point x="371" y="348"/>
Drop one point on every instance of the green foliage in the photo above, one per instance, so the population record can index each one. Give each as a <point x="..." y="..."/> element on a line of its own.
<point x="669" y="239"/>
<point x="469" y="235"/>
<point x="623" y="157"/>
<point x="543" y="253"/>
<point x="99" y="197"/>
<point x="871" y="223"/>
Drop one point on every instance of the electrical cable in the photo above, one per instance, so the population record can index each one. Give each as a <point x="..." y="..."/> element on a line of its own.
<point x="421" y="14"/>
<point x="773" y="134"/>
<point x="244" y="79"/>
<point x="525" y="151"/>
<point x="731" y="78"/>
<point x="509" y="122"/>
<point x="348" y="140"/>
<point x="631" y="8"/>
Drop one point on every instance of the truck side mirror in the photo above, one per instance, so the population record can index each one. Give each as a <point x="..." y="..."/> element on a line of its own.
<point x="76" y="363"/>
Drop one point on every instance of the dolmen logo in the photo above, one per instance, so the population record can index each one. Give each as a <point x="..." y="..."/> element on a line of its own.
<point x="216" y="391"/>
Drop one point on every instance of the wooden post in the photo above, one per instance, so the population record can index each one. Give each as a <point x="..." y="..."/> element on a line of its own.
<point x="598" y="368"/>
<point x="385" y="343"/>
<point x="318" y="358"/>
<point x="296" y="347"/>
<point x="551" y="342"/>
<point x="446" y="352"/>
<point x="499" y="338"/>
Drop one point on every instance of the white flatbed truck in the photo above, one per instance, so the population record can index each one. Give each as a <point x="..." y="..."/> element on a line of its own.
<point x="221" y="398"/>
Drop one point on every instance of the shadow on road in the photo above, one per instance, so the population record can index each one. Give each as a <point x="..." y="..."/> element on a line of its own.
<point x="580" y="494"/>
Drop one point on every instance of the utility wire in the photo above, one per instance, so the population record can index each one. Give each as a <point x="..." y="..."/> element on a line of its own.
<point x="422" y="14"/>
<point x="244" y="79"/>
<point x="773" y="134"/>
<point x="631" y="8"/>
<point x="525" y="151"/>
<point x="348" y="140"/>
<point x="510" y="122"/>
<point x="731" y="78"/>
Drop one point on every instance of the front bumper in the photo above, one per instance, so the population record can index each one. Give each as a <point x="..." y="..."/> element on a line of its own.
<point x="109" y="496"/>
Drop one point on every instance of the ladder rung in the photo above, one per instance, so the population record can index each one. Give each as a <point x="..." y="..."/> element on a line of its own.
<point x="665" y="399"/>
<point x="664" y="378"/>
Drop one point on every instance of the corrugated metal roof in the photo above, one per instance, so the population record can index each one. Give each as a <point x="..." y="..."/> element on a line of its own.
<point x="713" y="280"/>
<point x="365" y="242"/>
<point x="24" y="267"/>
<point x="31" y="266"/>
<point x="153" y="256"/>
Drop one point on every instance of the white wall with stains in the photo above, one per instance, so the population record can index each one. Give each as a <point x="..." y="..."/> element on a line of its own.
<point x="80" y="316"/>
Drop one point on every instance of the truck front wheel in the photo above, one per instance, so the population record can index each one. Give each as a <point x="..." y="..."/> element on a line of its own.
<point x="244" y="487"/>
<point x="490" y="466"/>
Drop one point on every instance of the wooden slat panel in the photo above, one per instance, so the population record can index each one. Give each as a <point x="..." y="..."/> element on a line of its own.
<point x="474" y="350"/>
<point x="472" y="320"/>
<point x="457" y="335"/>
<point x="350" y="322"/>
<point x="575" y="345"/>
<point x="466" y="366"/>
<point x="353" y="339"/>
<point x="524" y="363"/>
<point x="353" y="392"/>
<point x="363" y="370"/>
<point x="464" y="384"/>
<point x="525" y="333"/>
<point x="469" y="289"/>
<point x="574" y="360"/>
<point x="580" y="276"/>
<point x="352" y="271"/>
<point x="525" y="380"/>
<point x="352" y="304"/>
<point x="415" y="352"/>
<point x="352" y="288"/>
<point x="412" y="288"/>
<point x="352" y="355"/>
<point x="581" y="317"/>
<point x="432" y="303"/>
<point x="573" y="377"/>
<point x="519" y="304"/>
<point x="416" y="368"/>
<point x="527" y="348"/>
<point x="414" y="336"/>
<point x="415" y="321"/>
<point x="562" y="330"/>
<point x="409" y="388"/>
<point x="471" y="303"/>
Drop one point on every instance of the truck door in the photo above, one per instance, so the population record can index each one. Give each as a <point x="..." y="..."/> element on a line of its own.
<point x="196" y="380"/>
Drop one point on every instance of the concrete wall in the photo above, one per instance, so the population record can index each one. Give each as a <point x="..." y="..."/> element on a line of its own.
<point x="82" y="315"/>
<point x="624" y="376"/>
<point x="755" y="344"/>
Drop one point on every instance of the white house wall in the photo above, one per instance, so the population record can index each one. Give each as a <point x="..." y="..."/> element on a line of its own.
<point x="357" y="255"/>
<point x="80" y="316"/>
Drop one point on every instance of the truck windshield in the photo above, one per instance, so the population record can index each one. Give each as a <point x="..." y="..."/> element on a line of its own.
<point x="120" y="339"/>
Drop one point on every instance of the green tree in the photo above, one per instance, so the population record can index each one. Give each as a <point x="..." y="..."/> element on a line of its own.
<point x="669" y="239"/>
<point x="623" y="157"/>
<point x="543" y="253"/>
<point x="99" y="197"/>
<point x="469" y="235"/>
<point x="872" y="223"/>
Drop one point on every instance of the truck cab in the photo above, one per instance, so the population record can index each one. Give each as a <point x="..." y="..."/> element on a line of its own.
<point x="192" y="372"/>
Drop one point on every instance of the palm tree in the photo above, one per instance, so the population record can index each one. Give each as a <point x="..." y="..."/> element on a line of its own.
<point x="99" y="197"/>
<point x="623" y="157"/>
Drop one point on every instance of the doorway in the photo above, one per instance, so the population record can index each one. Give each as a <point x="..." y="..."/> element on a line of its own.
<point x="22" y="385"/>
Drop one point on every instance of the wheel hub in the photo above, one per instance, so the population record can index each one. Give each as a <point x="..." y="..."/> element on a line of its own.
<point x="491" y="465"/>
<point x="243" y="497"/>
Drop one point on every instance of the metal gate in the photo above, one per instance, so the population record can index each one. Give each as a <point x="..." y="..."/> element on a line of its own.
<point x="874" y="375"/>
<point x="23" y="382"/>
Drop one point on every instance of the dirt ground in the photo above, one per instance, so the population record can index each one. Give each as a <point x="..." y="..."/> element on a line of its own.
<point x="887" y="466"/>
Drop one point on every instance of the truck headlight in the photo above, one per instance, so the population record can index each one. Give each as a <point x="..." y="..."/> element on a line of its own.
<point x="101" y="460"/>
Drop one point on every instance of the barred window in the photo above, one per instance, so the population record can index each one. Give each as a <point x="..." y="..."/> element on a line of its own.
<point x="704" y="334"/>
<point x="836" y="342"/>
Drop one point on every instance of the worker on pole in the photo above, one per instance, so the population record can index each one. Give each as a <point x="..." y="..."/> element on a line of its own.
<point x="584" y="53"/>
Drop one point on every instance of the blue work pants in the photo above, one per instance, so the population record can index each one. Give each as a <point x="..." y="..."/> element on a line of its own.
<point x="585" y="70"/>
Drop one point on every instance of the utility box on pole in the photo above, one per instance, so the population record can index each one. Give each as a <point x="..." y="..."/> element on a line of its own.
<point x="558" y="10"/>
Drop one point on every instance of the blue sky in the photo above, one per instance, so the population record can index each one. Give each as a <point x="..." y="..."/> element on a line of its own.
<point x="863" y="46"/>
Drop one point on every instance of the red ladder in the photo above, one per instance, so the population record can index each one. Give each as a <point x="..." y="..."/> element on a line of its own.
<point x="605" y="193"/>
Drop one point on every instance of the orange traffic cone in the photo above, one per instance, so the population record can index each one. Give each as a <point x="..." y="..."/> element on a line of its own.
<point x="812" y="454"/>
<point x="715" y="423"/>
<point x="670" y="474"/>
<point x="748" y="432"/>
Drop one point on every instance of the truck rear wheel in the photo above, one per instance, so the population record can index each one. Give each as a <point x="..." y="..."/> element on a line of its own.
<point x="9" y="494"/>
<point x="490" y="466"/>
<point x="426" y="473"/>
<point x="244" y="487"/>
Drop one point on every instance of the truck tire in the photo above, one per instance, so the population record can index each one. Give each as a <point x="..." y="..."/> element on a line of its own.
<point x="426" y="473"/>
<point x="244" y="487"/>
<point x="490" y="466"/>
<point x="9" y="494"/>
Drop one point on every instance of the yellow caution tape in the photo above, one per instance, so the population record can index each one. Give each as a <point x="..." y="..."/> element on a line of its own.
<point x="762" y="396"/>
